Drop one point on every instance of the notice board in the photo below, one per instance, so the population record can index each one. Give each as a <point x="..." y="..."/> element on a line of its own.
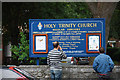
<point x="77" y="37"/>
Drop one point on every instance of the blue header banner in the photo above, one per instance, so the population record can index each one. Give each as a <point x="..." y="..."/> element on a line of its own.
<point x="77" y="37"/>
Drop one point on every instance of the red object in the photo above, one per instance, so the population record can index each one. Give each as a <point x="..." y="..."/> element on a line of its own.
<point x="76" y="61"/>
<point x="19" y="78"/>
<point x="72" y="59"/>
<point x="102" y="74"/>
<point x="88" y="58"/>
<point x="83" y="59"/>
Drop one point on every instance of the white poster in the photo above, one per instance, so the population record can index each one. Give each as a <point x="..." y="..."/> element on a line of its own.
<point x="93" y="42"/>
<point x="40" y="42"/>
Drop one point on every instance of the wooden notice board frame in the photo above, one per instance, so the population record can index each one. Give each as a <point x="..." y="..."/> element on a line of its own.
<point x="42" y="51"/>
<point x="87" y="42"/>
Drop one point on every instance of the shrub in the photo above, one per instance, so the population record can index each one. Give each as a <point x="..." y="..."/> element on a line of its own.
<point x="114" y="53"/>
<point x="21" y="51"/>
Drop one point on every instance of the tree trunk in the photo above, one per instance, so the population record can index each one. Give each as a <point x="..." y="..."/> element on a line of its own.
<point x="103" y="10"/>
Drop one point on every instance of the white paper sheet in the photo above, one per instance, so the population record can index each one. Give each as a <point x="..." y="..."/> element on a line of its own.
<point x="93" y="42"/>
<point x="40" y="42"/>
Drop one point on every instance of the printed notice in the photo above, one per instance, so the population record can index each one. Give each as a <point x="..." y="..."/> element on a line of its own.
<point x="93" y="42"/>
<point x="40" y="42"/>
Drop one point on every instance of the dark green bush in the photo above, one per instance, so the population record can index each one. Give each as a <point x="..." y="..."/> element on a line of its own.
<point x="21" y="51"/>
<point x="114" y="53"/>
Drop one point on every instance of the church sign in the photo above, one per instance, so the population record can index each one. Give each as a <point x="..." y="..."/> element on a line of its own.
<point x="77" y="37"/>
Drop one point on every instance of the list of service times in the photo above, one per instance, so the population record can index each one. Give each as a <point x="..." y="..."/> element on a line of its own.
<point x="68" y="39"/>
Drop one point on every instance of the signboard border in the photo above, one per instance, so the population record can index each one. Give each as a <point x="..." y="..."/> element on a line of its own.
<point x="34" y="52"/>
<point x="87" y="34"/>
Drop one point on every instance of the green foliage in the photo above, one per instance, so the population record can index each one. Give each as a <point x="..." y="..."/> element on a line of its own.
<point x="21" y="52"/>
<point x="115" y="23"/>
<point x="114" y="53"/>
<point x="60" y="10"/>
<point x="16" y="14"/>
<point x="20" y="13"/>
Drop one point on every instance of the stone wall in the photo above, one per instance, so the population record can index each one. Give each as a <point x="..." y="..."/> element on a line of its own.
<point x="70" y="72"/>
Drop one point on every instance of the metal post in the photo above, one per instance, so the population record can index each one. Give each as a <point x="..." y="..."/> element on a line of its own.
<point x="37" y="61"/>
